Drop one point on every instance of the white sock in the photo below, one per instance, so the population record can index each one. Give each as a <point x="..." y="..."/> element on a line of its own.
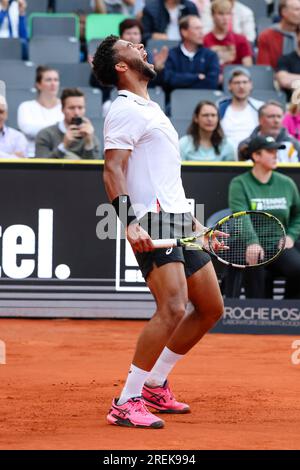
<point x="134" y="384"/>
<point x="163" y="367"/>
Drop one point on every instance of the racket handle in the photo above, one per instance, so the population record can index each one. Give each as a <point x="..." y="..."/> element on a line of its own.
<point x="166" y="243"/>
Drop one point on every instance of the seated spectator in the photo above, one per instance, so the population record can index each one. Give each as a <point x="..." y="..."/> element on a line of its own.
<point x="205" y="139"/>
<point x="288" y="68"/>
<point x="232" y="48"/>
<point x="264" y="189"/>
<point x="243" y="21"/>
<point x="270" y="124"/>
<point x="13" y="22"/>
<point x="73" y="137"/>
<point x="160" y="18"/>
<point x="125" y="7"/>
<point x="99" y="7"/>
<point x="291" y="121"/>
<point x="239" y="114"/>
<point x="13" y="144"/>
<point x="280" y="39"/>
<point x="191" y="65"/>
<point x="36" y="114"/>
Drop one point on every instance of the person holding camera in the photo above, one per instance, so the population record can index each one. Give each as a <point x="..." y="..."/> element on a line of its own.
<point x="74" y="137"/>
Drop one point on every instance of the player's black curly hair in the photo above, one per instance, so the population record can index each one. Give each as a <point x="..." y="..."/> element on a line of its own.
<point x="104" y="62"/>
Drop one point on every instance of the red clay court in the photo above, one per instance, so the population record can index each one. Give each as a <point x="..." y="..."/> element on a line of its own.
<point x="61" y="375"/>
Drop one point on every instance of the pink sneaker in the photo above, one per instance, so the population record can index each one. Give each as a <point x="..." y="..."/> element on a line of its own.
<point x="162" y="399"/>
<point x="134" y="414"/>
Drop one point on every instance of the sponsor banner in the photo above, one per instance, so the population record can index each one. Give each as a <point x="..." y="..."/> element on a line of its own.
<point x="51" y="215"/>
<point x="262" y="316"/>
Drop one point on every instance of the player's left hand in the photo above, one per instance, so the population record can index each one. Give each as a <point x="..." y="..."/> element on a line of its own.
<point x="213" y="241"/>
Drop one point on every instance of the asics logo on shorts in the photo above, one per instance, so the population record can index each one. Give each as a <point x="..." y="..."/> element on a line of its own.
<point x="169" y="251"/>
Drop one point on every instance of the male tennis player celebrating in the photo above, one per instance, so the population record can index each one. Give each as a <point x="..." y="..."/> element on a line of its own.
<point x="142" y="177"/>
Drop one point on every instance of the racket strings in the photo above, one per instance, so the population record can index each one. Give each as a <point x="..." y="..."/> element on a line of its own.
<point x="255" y="239"/>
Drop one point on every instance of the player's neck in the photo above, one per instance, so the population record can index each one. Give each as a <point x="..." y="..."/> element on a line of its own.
<point x="137" y="87"/>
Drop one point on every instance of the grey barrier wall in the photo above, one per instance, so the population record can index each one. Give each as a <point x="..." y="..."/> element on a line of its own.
<point x="53" y="264"/>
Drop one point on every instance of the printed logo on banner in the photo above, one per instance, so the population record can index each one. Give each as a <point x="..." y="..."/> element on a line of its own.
<point x="260" y="316"/>
<point x="23" y="250"/>
<point x="128" y="276"/>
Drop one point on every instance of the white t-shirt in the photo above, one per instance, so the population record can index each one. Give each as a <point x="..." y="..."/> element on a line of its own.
<point x="154" y="167"/>
<point x="238" y="125"/>
<point x="33" y="117"/>
<point x="173" y="28"/>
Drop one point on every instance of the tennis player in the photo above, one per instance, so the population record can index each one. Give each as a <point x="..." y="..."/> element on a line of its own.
<point x="142" y="176"/>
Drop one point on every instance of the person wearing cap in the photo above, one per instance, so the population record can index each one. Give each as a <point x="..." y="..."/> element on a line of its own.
<point x="264" y="189"/>
<point x="270" y="117"/>
<point x="13" y="144"/>
<point x="239" y="114"/>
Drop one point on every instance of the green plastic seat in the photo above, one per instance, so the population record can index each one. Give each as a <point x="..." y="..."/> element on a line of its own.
<point x="100" y="26"/>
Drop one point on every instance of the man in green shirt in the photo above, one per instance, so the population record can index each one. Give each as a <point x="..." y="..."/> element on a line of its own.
<point x="264" y="189"/>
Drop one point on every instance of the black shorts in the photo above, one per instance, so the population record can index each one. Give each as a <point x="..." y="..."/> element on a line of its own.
<point x="164" y="225"/>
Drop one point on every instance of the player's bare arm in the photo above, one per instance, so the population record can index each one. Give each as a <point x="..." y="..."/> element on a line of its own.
<point x="115" y="169"/>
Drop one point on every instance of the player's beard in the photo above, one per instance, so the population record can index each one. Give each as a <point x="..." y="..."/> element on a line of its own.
<point x="143" y="68"/>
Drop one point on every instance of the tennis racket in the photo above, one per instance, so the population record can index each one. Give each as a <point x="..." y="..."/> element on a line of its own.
<point x="244" y="239"/>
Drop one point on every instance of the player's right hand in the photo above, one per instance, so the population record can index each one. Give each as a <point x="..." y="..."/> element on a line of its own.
<point x="138" y="238"/>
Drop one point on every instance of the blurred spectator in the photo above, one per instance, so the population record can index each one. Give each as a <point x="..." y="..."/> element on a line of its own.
<point x="205" y="139"/>
<point x="160" y="18"/>
<point x="291" y="121"/>
<point x="99" y="7"/>
<point x="239" y="114"/>
<point x="191" y="65"/>
<point x="13" y="19"/>
<point x="125" y="7"/>
<point x="13" y="22"/>
<point x="232" y="48"/>
<point x="288" y="68"/>
<point x="280" y="39"/>
<point x="73" y="137"/>
<point x="13" y="144"/>
<point x="36" y="114"/>
<point x="140" y="4"/>
<point x="242" y="20"/>
<point x="270" y="124"/>
<point x="264" y="189"/>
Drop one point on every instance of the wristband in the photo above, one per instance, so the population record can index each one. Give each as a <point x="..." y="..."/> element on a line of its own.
<point x="124" y="210"/>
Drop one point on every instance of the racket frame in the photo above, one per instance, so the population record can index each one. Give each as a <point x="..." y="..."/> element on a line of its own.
<point x="191" y="242"/>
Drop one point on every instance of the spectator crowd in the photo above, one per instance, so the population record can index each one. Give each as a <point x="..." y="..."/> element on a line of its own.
<point x="205" y="45"/>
